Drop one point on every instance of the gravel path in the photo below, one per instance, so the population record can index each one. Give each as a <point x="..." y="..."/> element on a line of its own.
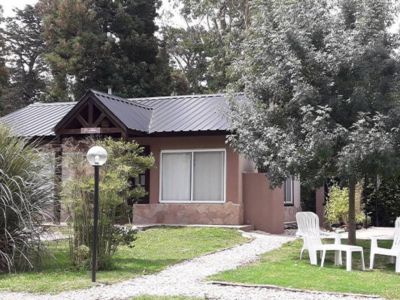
<point x="187" y="279"/>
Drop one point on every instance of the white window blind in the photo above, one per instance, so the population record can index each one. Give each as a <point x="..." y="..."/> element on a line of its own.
<point x="176" y="176"/>
<point x="193" y="176"/>
<point x="208" y="176"/>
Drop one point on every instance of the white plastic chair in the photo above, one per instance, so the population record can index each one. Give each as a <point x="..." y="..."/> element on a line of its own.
<point x="392" y="252"/>
<point x="309" y="230"/>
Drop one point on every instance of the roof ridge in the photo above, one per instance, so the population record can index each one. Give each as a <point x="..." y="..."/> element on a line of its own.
<point x="178" y="96"/>
<point x="53" y="103"/>
<point x="121" y="99"/>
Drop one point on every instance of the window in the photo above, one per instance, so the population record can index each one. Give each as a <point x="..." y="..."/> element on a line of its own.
<point x="193" y="176"/>
<point x="289" y="191"/>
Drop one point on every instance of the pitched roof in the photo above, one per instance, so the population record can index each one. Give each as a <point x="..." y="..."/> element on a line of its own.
<point x="148" y="115"/>
<point x="187" y="113"/>
<point x="133" y="115"/>
<point x="38" y="119"/>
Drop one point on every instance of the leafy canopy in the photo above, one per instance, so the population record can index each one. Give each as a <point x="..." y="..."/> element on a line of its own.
<point x="203" y="50"/>
<point x="322" y="80"/>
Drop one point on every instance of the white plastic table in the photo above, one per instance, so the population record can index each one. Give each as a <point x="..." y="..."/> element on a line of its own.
<point x="349" y="251"/>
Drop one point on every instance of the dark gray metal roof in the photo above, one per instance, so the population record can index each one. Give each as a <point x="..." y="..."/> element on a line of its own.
<point x="38" y="119"/>
<point x="150" y="115"/>
<point x="135" y="116"/>
<point x="187" y="113"/>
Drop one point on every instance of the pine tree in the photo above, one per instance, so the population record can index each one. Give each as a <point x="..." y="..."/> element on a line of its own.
<point x="25" y="48"/>
<point x="3" y="68"/>
<point x="102" y="44"/>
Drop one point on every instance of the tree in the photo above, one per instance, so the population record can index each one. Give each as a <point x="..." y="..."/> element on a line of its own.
<point x="3" y="69"/>
<point x="101" y="44"/>
<point x="25" y="48"/>
<point x="204" y="49"/>
<point x="321" y="78"/>
<point x="189" y="52"/>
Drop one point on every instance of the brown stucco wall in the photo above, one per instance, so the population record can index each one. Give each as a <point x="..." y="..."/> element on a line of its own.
<point x="230" y="212"/>
<point x="263" y="206"/>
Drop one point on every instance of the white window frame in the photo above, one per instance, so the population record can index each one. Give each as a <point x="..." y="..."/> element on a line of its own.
<point x="290" y="180"/>
<point x="192" y="151"/>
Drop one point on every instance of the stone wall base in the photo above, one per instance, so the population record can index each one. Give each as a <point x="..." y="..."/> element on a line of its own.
<point x="171" y="213"/>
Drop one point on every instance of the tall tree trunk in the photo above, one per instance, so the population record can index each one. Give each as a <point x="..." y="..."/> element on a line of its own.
<point x="352" y="212"/>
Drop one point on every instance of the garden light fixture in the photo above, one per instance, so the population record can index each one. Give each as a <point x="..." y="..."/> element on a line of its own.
<point x="97" y="156"/>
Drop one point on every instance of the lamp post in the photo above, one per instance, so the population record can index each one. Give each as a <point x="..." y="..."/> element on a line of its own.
<point x="97" y="156"/>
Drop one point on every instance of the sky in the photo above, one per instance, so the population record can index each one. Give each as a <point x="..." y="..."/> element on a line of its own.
<point x="167" y="12"/>
<point x="8" y="6"/>
<point x="170" y="17"/>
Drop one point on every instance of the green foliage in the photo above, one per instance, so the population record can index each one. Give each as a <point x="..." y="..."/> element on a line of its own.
<point x="203" y="51"/>
<point x="25" y="193"/>
<point x="307" y="198"/>
<point x="337" y="207"/>
<point x="25" y="49"/>
<point x="383" y="201"/>
<point x="323" y="94"/>
<point x="189" y="52"/>
<point x="4" y="76"/>
<point x="322" y="80"/>
<point x="100" y="44"/>
<point x="81" y="256"/>
<point x="125" y="161"/>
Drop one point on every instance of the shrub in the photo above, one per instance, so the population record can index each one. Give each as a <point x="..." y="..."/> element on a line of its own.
<point x="383" y="201"/>
<point x="125" y="160"/>
<point x="25" y="191"/>
<point x="337" y="207"/>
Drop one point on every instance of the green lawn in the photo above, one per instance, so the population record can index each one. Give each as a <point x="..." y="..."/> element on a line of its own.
<point x="282" y="267"/>
<point x="154" y="250"/>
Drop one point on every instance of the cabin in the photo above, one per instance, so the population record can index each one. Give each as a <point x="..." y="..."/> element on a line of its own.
<point x="197" y="177"/>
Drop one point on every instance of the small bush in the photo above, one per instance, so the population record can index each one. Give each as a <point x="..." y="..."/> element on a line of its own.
<point x="337" y="207"/>
<point x="125" y="160"/>
<point x="383" y="201"/>
<point x="82" y="256"/>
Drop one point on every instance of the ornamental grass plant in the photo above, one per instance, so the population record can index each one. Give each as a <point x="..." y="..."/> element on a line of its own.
<point x="125" y="161"/>
<point x="25" y="192"/>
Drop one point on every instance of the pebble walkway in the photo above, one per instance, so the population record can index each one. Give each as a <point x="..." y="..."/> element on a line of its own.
<point x="189" y="279"/>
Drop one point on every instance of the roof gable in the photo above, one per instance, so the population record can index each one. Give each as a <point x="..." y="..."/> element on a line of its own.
<point x="135" y="116"/>
<point x="103" y="113"/>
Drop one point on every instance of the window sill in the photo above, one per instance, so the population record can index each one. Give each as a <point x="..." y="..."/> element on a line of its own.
<point x="192" y="202"/>
<point x="288" y="204"/>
